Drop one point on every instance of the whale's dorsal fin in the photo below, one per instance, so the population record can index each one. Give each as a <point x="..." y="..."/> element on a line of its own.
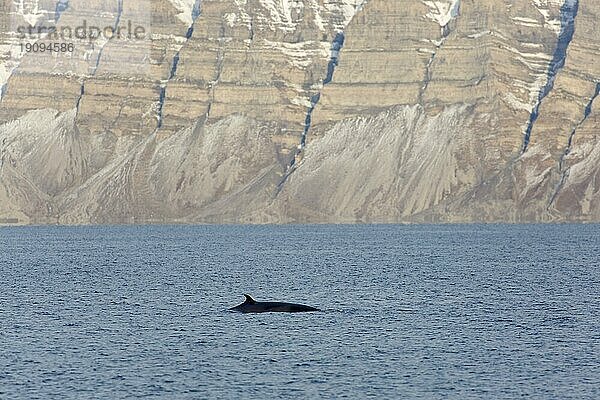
<point x="249" y="299"/>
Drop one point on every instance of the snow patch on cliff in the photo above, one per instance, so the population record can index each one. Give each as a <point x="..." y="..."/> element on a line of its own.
<point x="185" y="8"/>
<point x="341" y="12"/>
<point x="300" y="55"/>
<point x="30" y="11"/>
<point x="442" y="11"/>
<point x="286" y="15"/>
<point x="552" y="19"/>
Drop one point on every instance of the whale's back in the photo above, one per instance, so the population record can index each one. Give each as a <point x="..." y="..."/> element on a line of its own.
<point x="252" y="306"/>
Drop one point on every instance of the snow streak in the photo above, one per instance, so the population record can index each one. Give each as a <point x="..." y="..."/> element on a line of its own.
<point x="568" y="13"/>
<point x="175" y="64"/>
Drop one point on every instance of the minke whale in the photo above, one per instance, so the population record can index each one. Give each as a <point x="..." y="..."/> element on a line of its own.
<point x="253" y="306"/>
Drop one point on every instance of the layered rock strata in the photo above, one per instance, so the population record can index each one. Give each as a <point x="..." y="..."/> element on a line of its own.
<point x="307" y="111"/>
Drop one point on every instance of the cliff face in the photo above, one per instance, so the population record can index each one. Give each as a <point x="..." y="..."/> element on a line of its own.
<point x="307" y="110"/>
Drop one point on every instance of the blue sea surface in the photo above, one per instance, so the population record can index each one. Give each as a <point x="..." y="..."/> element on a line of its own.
<point x="416" y="312"/>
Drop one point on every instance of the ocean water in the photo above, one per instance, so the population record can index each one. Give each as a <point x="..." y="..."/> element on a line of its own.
<point x="416" y="312"/>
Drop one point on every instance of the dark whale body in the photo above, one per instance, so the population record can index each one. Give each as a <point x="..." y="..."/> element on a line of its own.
<point x="253" y="306"/>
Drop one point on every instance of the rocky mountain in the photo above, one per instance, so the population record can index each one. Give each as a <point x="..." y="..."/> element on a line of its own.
<point x="276" y="111"/>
